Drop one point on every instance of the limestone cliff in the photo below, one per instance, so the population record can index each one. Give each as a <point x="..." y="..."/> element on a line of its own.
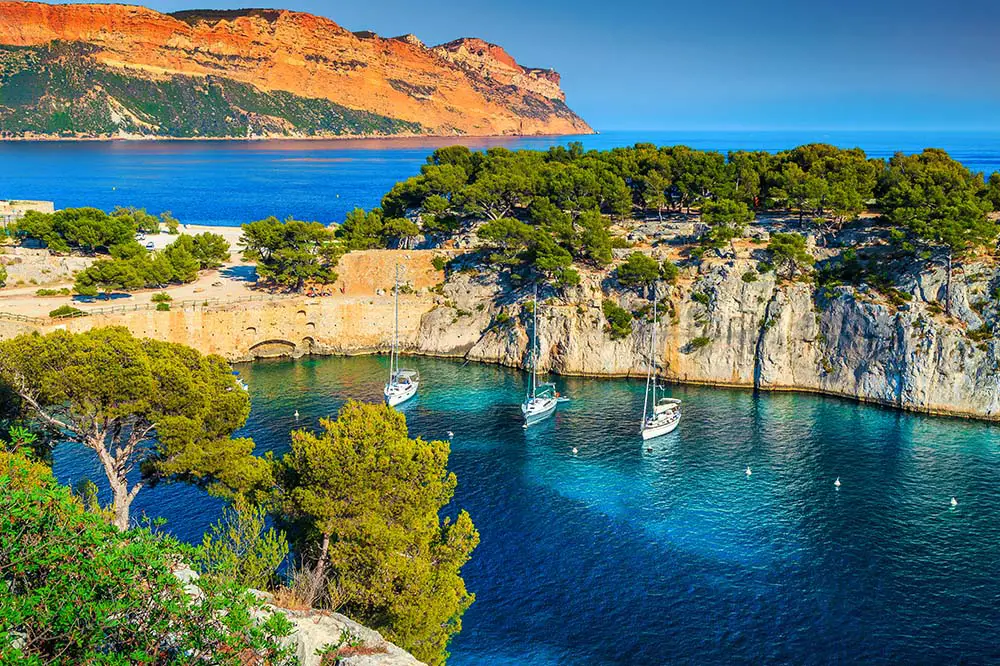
<point x="745" y="328"/>
<point x="117" y="70"/>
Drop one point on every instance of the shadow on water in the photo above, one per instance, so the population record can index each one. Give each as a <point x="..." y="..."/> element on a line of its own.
<point x="619" y="555"/>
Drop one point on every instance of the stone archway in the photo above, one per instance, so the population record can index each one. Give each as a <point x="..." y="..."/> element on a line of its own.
<point x="307" y="345"/>
<point x="272" y="349"/>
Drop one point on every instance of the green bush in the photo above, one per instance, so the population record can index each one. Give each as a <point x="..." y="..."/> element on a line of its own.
<point x="162" y="297"/>
<point x="440" y="262"/>
<point x="670" y="272"/>
<point x="700" y="342"/>
<point x="239" y="549"/>
<point x="163" y="307"/>
<point x="638" y="270"/>
<point x="66" y="311"/>
<point x="79" y="591"/>
<point x="700" y="297"/>
<point x="53" y="292"/>
<point x="750" y="276"/>
<point x="619" y="319"/>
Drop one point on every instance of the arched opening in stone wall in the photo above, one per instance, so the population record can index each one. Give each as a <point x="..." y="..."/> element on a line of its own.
<point x="251" y="330"/>
<point x="310" y="326"/>
<point x="272" y="349"/>
<point x="307" y="345"/>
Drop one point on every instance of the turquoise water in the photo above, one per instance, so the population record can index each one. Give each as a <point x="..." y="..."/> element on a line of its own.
<point x="232" y="182"/>
<point x="618" y="555"/>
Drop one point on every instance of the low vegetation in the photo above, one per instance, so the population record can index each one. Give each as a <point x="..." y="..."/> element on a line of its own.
<point x="82" y="582"/>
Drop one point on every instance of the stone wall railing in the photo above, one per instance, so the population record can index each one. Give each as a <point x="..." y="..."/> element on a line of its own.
<point x="138" y="307"/>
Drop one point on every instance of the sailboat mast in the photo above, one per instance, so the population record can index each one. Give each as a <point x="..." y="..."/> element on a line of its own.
<point x="649" y="367"/>
<point x="394" y="357"/>
<point x="652" y="351"/>
<point x="534" y="343"/>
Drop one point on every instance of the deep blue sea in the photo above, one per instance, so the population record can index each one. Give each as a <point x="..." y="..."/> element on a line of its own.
<point x="233" y="182"/>
<point x="616" y="555"/>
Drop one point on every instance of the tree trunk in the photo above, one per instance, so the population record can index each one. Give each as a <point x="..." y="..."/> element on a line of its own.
<point x="319" y="570"/>
<point x="122" y="505"/>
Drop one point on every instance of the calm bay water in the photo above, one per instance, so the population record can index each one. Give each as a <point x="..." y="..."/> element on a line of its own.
<point x="617" y="555"/>
<point x="232" y="182"/>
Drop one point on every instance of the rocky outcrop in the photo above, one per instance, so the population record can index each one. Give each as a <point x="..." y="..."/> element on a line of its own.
<point x="265" y="73"/>
<point x="316" y="631"/>
<point x="492" y="64"/>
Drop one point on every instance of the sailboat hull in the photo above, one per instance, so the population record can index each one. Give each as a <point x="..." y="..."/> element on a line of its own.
<point x="397" y="394"/>
<point x="538" y="409"/>
<point x="652" y="429"/>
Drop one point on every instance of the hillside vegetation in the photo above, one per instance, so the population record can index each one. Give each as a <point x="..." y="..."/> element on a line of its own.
<point x="60" y="90"/>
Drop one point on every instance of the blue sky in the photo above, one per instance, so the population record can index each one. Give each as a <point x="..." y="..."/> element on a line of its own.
<point x="727" y="64"/>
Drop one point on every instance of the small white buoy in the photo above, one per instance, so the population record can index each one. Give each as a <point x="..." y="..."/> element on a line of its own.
<point x="450" y="434"/>
<point x="837" y="482"/>
<point x="954" y="502"/>
<point x="749" y="472"/>
<point x="574" y="450"/>
<point x="296" y="414"/>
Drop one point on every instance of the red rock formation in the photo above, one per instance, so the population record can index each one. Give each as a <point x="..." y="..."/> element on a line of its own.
<point x="463" y="87"/>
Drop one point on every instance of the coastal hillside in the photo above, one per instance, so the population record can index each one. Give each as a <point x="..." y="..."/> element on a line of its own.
<point x="816" y="269"/>
<point x="83" y="71"/>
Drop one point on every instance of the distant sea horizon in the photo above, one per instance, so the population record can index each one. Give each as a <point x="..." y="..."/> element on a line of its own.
<point x="231" y="182"/>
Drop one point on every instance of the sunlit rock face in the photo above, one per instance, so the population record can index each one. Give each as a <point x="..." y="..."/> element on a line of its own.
<point x="289" y="60"/>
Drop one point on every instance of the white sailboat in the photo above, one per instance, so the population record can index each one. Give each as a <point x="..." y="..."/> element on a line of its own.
<point x="541" y="400"/>
<point x="659" y="416"/>
<point x="402" y="384"/>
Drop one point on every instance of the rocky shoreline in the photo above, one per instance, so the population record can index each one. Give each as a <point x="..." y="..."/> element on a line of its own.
<point x="727" y="325"/>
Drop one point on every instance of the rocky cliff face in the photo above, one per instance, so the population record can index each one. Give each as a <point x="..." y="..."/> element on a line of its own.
<point x="766" y="334"/>
<point x="258" y="73"/>
<point x="726" y="323"/>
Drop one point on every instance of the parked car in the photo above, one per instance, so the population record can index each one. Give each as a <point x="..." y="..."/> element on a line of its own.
<point x="150" y="245"/>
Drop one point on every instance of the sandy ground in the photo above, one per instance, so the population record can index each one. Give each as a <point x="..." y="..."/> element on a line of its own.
<point x="233" y="280"/>
<point x="362" y="274"/>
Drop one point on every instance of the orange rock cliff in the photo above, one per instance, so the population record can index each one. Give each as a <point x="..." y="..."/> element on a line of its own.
<point x="464" y="87"/>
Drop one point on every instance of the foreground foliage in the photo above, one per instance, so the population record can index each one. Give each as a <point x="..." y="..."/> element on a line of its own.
<point x="364" y="501"/>
<point x="137" y="403"/>
<point x="79" y="591"/>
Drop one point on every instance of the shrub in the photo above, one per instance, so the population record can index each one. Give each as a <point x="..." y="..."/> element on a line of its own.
<point x="440" y="262"/>
<point x="750" y="276"/>
<point x="619" y="319"/>
<point x="238" y="548"/>
<point x="79" y="591"/>
<point x="162" y="307"/>
<point x="53" y="292"/>
<point x="638" y="270"/>
<point x="700" y="342"/>
<point x="701" y="297"/>
<point x="162" y="297"/>
<point x="66" y="311"/>
<point x="670" y="272"/>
